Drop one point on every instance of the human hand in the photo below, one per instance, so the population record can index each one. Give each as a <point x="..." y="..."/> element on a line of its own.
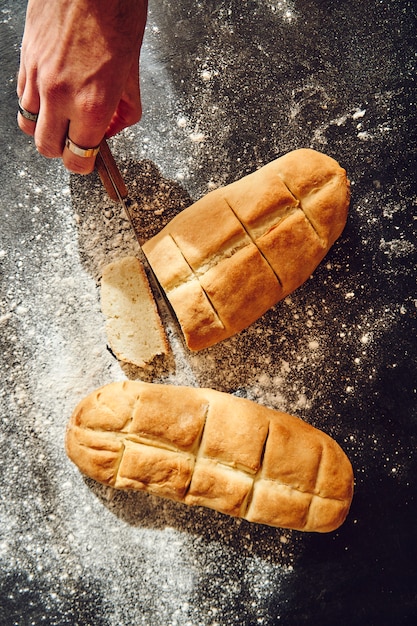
<point x="79" y="72"/>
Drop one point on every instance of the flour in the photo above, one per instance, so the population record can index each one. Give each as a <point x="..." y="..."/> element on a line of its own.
<point x="76" y="539"/>
<point x="220" y="98"/>
<point x="174" y="551"/>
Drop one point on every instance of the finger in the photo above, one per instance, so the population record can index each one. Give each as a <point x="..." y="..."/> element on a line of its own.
<point x="129" y="109"/>
<point x="50" y="131"/>
<point x="80" y="150"/>
<point x="21" y="79"/>
<point x="28" y="112"/>
<point x="124" y="116"/>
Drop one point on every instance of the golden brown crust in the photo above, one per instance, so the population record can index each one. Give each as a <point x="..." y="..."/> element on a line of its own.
<point x="321" y="186"/>
<point x="159" y="471"/>
<point x="199" y="320"/>
<point x="246" y="246"/>
<point x="297" y="238"/>
<point x="164" y="418"/>
<point x="208" y="448"/>
<point x="218" y="487"/>
<point x="230" y="287"/>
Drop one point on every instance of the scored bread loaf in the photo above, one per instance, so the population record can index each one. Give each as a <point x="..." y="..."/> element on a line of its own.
<point x="233" y="254"/>
<point x="133" y="326"/>
<point x="209" y="448"/>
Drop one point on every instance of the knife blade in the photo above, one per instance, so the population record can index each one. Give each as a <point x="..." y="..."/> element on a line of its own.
<point x="116" y="188"/>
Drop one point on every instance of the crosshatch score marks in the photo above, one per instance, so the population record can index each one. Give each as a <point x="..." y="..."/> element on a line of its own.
<point x="207" y="448"/>
<point x="233" y="254"/>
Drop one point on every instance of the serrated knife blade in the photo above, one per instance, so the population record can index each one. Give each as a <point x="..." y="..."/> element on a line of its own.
<point x="116" y="188"/>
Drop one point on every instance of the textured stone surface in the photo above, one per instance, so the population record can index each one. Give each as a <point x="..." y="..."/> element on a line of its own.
<point x="227" y="87"/>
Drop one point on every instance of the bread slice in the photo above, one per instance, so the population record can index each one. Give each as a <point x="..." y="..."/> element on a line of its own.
<point x="133" y="326"/>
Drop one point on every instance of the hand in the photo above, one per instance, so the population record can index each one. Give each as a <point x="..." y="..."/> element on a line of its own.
<point x="79" y="70"/>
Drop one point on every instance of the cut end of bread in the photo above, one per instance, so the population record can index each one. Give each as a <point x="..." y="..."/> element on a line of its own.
<point x="134" y="330"/>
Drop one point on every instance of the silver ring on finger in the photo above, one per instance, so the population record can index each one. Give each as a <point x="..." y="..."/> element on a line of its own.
<point x="28" y="115"/>
<point x="85" y="153"/>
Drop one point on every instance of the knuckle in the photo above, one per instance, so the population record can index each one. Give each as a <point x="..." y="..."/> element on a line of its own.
<point x="55" y="88"/>
<point x="94" y="110"/>
<point x="47" y="150"/>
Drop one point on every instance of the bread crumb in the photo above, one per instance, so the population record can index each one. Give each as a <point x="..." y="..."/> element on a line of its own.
<point x="134" y="329"/>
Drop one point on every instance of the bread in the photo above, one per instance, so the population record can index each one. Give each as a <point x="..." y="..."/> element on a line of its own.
<point x="133" y="326"/>
<point x="204" y="447"/>
<point x="225" y="260"/>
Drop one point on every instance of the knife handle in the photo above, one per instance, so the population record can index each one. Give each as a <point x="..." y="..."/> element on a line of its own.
<point x="106" y="166"/>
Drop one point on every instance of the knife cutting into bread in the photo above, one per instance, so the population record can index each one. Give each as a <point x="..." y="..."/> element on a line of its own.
<point x="139" y="317"/>
<point x="116" y="188"/>
<point x="225" y="260"/>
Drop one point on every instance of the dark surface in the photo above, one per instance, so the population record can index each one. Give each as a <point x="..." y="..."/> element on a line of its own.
<point x="227" y="87"/>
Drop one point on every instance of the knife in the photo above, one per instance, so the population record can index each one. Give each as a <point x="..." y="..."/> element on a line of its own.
<point x="116" y="188"/>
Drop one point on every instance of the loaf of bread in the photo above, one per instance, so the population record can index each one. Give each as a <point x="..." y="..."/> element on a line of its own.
<point x="225" y="260"/>
<point x="204" y="447"/>
<point x="133" y="326"/>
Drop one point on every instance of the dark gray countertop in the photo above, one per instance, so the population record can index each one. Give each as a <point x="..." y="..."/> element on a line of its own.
<point x="227" y="87"/>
